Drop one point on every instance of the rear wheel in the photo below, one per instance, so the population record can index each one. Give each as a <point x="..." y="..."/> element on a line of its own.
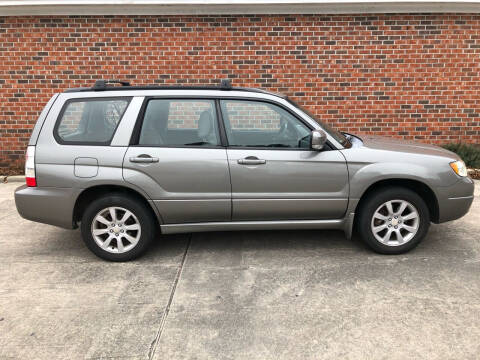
<point x="393" y="220"/>
<point x="117" y="227"/>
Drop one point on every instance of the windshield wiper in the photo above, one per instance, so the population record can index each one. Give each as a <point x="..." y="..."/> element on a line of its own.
<point x="347" y="142"/>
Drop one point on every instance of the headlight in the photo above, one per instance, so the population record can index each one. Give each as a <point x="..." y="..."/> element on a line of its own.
<point x="459" y="168"/>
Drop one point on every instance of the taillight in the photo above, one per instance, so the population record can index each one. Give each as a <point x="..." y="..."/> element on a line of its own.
<point x="30" y="166"/>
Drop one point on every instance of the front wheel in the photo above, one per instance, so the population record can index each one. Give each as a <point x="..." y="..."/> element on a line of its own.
<point x="117" y="227"/>
<point x="393" y="220"/>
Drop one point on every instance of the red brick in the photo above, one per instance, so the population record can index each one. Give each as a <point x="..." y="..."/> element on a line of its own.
<point x="407" y="76"/>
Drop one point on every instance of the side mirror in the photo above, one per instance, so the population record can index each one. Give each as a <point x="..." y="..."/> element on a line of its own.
<point x="319" y="138"/>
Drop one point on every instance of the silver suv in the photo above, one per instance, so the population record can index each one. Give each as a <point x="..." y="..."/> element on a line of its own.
<point x="126" y="162"/>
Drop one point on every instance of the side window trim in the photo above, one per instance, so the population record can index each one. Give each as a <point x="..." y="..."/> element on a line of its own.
<point x="267" y="101"/>
<point x="135" y="137"/>
<point x="60" y="141"/>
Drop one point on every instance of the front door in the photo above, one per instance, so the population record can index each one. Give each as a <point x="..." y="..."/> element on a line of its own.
<point x="274" y="173"/>
<point x="178" y="160"/>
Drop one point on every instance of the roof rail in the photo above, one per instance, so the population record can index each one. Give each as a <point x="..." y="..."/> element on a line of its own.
<point x="225" y="84"/>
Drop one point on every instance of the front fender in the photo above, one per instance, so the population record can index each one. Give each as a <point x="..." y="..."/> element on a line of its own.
<point x="362" y="176"/>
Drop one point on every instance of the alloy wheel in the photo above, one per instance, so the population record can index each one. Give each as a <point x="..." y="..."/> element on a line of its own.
<point x="395" y="222"/>
<point x="116" y="229"/>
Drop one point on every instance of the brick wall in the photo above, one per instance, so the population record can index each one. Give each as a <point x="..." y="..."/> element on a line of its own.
<point x="410" y="76"/>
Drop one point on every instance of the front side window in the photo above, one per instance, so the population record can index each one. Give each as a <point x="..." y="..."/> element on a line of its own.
<point x="90" y="120"/>
<point x="179" y="122"/>
<point x="337" y="135"/>
<point x="262" y="124"/>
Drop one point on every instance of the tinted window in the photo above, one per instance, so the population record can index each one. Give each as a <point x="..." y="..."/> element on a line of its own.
<point x="90" y="121"/>
<point x="261" y="124"/>
<point x="174" y="122"/>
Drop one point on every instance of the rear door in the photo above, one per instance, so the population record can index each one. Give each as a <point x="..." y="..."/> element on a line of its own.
<point x="274" y="173"/>
<point x="178" y="159"/>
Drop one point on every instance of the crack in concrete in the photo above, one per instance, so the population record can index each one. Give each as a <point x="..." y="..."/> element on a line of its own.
<point x="153" y="346"/>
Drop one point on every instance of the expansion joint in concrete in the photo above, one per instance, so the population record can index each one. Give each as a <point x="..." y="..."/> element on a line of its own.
<point x="155" y="341"/>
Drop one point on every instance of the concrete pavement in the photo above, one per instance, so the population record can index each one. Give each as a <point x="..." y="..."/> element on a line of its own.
<point x="245" y="295"/>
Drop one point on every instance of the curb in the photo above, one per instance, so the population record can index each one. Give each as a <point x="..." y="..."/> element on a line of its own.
<point x="13" y="178"/>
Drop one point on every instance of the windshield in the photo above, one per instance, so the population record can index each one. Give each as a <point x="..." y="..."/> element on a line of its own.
<point x="337" y="135"/>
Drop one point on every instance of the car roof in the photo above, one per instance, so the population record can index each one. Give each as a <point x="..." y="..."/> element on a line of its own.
<point x="102" y="85"/>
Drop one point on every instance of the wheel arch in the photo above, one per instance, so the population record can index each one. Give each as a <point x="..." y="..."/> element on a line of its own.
<point x="91" y="193"/>
<point x="419" y="187"/>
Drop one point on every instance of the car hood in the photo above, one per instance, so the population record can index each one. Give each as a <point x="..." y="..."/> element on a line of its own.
<point x="389" y="144"/>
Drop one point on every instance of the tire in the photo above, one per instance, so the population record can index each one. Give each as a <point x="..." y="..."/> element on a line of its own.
<point x="125" y="241"/>
<point x="376" y="220"/>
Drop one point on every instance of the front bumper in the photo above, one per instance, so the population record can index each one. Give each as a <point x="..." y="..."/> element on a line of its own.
<point x="47" y="205"/>
<point x="455" y="201"/>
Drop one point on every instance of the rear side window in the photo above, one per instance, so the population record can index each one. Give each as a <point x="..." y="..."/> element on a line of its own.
<point x="90" y="121"/>
<point x="180" y="122"/>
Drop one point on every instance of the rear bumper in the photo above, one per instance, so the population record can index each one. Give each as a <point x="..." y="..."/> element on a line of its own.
<point x="455" y="201"/>
<point x="47" y="205"/>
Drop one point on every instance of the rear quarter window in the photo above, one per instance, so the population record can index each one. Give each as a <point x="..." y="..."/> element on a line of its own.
<point x="89" y="121"/>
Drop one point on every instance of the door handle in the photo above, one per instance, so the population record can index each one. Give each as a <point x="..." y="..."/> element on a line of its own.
<point x="251" y="160"/>
<point x="143" y="159"/>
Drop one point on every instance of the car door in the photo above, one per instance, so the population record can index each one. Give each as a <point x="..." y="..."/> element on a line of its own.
<point x="274" y="173"/>
<point x="177" y="158"/>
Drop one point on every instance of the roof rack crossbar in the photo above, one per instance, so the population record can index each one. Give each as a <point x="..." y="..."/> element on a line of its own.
<point x="102" y="84"/>
<point x="226" y="84"/>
